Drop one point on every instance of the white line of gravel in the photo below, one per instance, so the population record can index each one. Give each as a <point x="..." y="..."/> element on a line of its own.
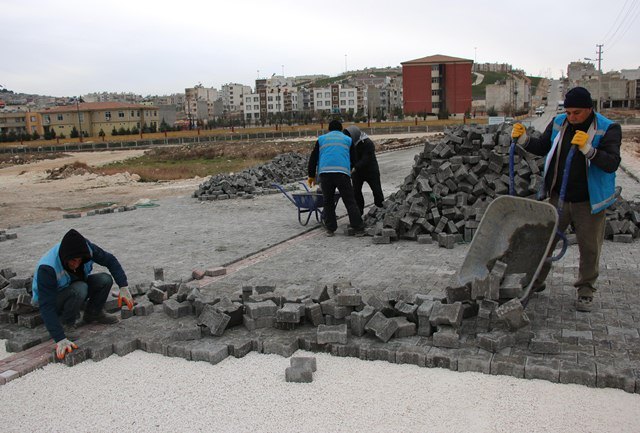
<point x="145" y="392"/>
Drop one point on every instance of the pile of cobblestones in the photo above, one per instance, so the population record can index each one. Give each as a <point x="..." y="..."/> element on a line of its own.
<point x="284" y="168"/>
<point x="454" y="179"/>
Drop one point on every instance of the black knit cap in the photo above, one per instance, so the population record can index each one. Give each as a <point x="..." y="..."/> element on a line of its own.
<point x="578" y="97"/>
<point x="335" y="125"/>
<point x="73" y="245"/>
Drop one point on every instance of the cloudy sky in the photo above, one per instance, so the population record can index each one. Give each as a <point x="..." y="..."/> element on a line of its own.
<point x="156" y="47"/>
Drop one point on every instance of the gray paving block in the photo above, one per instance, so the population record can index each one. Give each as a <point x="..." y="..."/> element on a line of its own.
<point x="359" y="320"/>
<point x="298" y="375"/>
<point x="332" y="334"/>
<point x="280" y="346"/>
<point x="405" y="328"/>
<point x="507" y="365"/>
<point x="215" y="321"/>
<point x="256" y="310"/>
<point x="538" y="368"/>
<point x="290" y="313"/>
<point x="320" y="294"/>
<point x="458" y="293"/>
<point x="74" y="358"/>
<point x="543" y="342"/>
<point x="513" y="315"/>
<point x="446" y="336"/>
<point x="124" y="345"/>
<point x="143" y="308"/>
<point x="98" y="348"/>
<point x="240" y="348"/>
<point x="495" y="341"/>
<point x="479" y="362"/>
<point x="179" y="349"/>
<point x="175" y="309"/>
<point x="610" y="376"/>
<point x="156" y="295"/>
<point x="313" y="314"/>
<point x="441" y="358"/>
<point x="408" y="310"/>
<point x="349" y="350"/>
<point x="580" y="374"/>
<point x="185" y="333"/>
<point x="414" y="355"/>
<point x="348" y="297"/>
<point x="304" y="362"/>
<point x="382" y="327"/>
<point x="377" y="351"/>
<point x="446" y="314"/>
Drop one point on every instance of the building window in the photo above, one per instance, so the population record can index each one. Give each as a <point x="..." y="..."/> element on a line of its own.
<point x="47" y="119"/>
<point x="121" y="114"/>
<point x="435" y="92"/>
<point x="319" y="95"/>
<point x="435" y="105"/>
<point x="343" y="94"/>
<point x="107" y="115"/>
<point x="326" y="95"/>
<point x="351" y="93"/>
<point x="33" y="118"/>
<point x="270" y="98"/>
<point x="351" y="102"/>
<point x="60" y="117"/>
<point x="435" y="80"/>
<point x="132" y="113"/>
<point x="335" y="99"/>
<point x="435" y="67"/>
<point x="81" y="117"/>
<point x="343" y="102"/>
<point x="270" y="106"/>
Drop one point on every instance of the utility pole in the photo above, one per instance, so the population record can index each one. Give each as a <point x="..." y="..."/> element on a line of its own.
<point x="599" y="52"/>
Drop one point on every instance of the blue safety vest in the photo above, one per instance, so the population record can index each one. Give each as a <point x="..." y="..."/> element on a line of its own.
<point x="334" y="153"/>
<point x="52" y="258"/>
<point x="601" y="185"/>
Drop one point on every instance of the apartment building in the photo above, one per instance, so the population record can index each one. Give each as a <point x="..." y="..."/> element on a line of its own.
<point x="336" y="99"/>
<point x="437" y="84"/>
<point x="20" y="122"/>
<point x="199" y="103"/>
<point x="510" y="96"/>
<point x="92" y="117"/>
<point x="232" y="96"/>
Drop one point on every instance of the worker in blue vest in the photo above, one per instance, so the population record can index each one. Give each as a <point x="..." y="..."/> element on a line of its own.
<point x="591" y="181"/>
<point x="332" y="158"/>
<point x="63" y="283"/>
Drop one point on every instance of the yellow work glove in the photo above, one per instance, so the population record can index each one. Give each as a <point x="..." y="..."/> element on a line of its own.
<point x="311" y="181"/>
<point x="519" y="133"/>
<point x="63" y="347"/>
<point x="125" y="295"/>
<point x="581" y="139"/>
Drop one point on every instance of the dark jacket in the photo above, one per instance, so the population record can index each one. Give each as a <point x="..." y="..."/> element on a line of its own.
<point x="52" y="275"/>
<point x="365" y="153"/>
<point x="314" y="158"/>
<point x="606" y="158"/>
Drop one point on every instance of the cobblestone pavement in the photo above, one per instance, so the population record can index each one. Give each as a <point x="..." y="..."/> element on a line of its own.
<point x="600" y="348"/>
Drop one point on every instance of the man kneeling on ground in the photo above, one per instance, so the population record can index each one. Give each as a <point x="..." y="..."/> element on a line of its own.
<point x="62" y="282"/>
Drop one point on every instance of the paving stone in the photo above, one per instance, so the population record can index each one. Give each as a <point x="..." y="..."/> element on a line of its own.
<point x="537" y="368"/>
<point x="495" y="341"/>
<point x="215" y="272"/>
<point x="408" y="310"/>
<point x="332" y="334"/>
<point x="381" y="327"/>
<point x="280" y="346"/>
<point x="156" y="295"/>
<point x="215" y="321"/>
<point x="124" y="345"/>
<point x="478" y="362"/>
<point x="313" y="314"/>
<point x="304" y="362"/>
<point x="446" y="314"/>
<point x="210" y="352"/>
<point x="30" y="320"/>
<point x="580" y="374"/>
<point x="185" y="333"/>
<point x="256" y="310"/>
<point x="414" y="355"/>
<point x="609" y="376"/>
<point x="512" y="314"/>
<point x="441" y="358"/>
<point x="74" y="358"/>
<point x="144" y="308"/>
<point x="544" y="342"/>
<point x="260" y="322"/>
<point x="446" y="336"/>
<point x="359" y="320"/>
<point x="290" y="313"/>
<point x="405" y="328"/>
<point x="175" y="309"/>
<point x="298" y="375"/>
<point x="179" y="349"/>
<point x="348" y="297"/>
<point x="507" y="365"/>
<point x="158" y="274"/>
<point x="98" y="348"/>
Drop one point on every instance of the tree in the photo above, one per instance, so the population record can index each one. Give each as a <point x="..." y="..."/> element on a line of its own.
<point x="74" y="133"/>
<point x="165" y="127"/>
<point x="101" y="133"/>
<point x="114" y="131"/>
<point x="492" y="111"/>
<point x="122" y="131"/>
<point x="35" y="135"/>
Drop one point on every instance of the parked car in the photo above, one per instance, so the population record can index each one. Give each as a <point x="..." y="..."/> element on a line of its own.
<point x="509" y="120"/>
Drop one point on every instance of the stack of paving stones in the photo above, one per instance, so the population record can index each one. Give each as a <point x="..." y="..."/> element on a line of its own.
<point x="453" y="181"/>
<point x="101" y="211"/>
<point x="466" y="328"/>
<point x="6" y="236"/>
<point x="284" y="168"/>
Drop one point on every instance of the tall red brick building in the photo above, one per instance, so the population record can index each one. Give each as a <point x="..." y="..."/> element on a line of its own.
<point x="437" y="84"/>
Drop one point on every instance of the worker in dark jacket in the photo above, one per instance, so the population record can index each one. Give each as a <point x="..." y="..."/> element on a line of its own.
<point x="590" y="184"/>
<point x="365" y="168"/>
<point x="332" y="158"/>
<point x="63" y="282"/>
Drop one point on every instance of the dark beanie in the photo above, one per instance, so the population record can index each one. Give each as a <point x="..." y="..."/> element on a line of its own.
<point x="73" y="245"/>
<point x="578" y="97"/>
<point x="335" y="125"/>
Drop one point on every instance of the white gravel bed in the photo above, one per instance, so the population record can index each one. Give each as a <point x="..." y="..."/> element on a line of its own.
<point x="145" y="392"/>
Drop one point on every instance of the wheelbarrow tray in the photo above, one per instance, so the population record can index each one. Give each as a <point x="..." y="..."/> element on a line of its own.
<point x="516" y="231"/>
<point x="308" y="200"/>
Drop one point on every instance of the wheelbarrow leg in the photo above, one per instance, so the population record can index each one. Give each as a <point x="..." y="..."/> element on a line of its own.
<point x="300" y="212"/>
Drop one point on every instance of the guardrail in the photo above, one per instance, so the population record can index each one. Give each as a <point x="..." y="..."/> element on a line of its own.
<point x="177" y="141"/>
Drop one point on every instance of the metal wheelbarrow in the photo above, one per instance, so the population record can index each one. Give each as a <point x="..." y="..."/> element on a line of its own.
<point x="517" y="231"/>
<point x="307" y="202"/>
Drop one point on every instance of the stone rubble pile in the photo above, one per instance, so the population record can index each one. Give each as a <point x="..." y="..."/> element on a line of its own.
<point x="284" y="168"/>
<point x="454" y="179"/>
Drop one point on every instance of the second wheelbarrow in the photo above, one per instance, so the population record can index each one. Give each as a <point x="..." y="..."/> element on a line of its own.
<point x="307" y="202"/>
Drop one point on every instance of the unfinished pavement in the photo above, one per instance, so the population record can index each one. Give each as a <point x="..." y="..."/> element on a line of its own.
<point x="607" y="337"/>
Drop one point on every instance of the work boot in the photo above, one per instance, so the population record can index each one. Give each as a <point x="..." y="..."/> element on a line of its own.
<point x="540" y="288"/>
<point x="584" y="302"/>
<point x="329" y="233"/>
<point x="100" y="317"/>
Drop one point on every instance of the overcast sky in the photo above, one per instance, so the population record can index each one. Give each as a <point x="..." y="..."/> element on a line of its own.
<point x="156" y="47"/>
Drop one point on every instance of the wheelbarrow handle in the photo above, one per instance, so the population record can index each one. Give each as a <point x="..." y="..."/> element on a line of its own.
<point x="512" y="150"/>
<point x="563" y="250"/>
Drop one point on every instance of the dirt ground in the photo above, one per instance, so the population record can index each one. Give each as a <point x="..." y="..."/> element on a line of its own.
<point x="28" y="197"/>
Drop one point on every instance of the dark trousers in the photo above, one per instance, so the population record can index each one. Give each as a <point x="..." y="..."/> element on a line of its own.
<point x="590" y="236"/>
<point x="94" y="291"/>
<point x="374" y="183"/>
<point x="328" y="183"/>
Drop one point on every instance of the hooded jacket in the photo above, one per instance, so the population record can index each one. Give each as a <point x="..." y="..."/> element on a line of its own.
<point x="52" y="275"/>
<point x="365" y="152"/>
